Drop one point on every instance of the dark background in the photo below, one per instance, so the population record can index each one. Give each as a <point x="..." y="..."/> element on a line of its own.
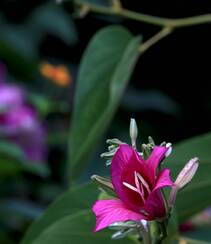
<point x="178" y="65"/>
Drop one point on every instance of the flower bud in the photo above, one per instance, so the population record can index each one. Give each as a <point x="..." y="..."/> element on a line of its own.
<point x="184" y="177"/>
<point x="115" y="142"/>
<point x="187" y="173"/>
<point x="108" y="154"/>
<point x="133" y="132"/>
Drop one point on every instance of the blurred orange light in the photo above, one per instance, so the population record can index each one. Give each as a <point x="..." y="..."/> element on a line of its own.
<point x="59" y="74"/>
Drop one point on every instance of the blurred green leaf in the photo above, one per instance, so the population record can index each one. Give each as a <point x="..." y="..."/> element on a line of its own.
<point x="5" y="238"/>
<point x="76" y="229"/>
<point x="51" y="18"/>
<point x="11" y="156"/>
<point x="19" y="39"/>
<point x="69" y="203"/>
<point x="196" y="196"/>
<point x="24" y="67"/>
<point x="12" y="150"/>
<point x="42" y="103"/>
<point x="200" y="234"/>
<point x="138" y="101"/>
<point x="14" y="208"/>
<point x="193" y="241"/>
<point x="18" y="48"/>
<point x="45" y="105"/>
<point x="98" y="2"/>
<point x="104" y="72"/>
<point x="69" y="221"/>
<point x="37" y="168"/>
<point x="13" y="161"/>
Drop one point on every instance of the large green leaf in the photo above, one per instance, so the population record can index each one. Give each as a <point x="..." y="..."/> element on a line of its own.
<point x="69" y="220"/>
<point x="76" y="229"/>
<point x="69" y="203"/>
<point x="104" y="72"/>
<point x="197" y="195"/>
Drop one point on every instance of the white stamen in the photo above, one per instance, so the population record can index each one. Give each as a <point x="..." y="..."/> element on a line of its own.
<point x="143" y="181"/>
<point x="137" y="182"/>
<point x="140" y="185"/>
<point x="141" y="190"/>
<point x="130" y="187"/>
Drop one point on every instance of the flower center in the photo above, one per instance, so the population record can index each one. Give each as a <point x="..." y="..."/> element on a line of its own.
<point x="141" y="186"/>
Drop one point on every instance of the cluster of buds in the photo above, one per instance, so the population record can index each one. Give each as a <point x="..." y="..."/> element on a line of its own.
<point x="112" y="148"/>
<point x="136" y="187"/>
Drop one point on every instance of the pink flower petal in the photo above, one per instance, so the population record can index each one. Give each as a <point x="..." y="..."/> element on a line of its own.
<point x="124" y="163"/>
<point x="163" y="179"/>
<point x="110" y="211"/>
<point x="154" y="205"/>
<point x="154" y="160"/>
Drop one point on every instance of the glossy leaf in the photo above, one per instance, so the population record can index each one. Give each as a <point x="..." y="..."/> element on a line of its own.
<point x="104" y="72"/>
<point x="69" y="220"/>
<point x="69" y="203"/>
<point x="76" y="229"/>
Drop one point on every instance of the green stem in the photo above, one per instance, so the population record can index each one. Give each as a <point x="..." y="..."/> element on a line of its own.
<point x="163" y="229"/>
<point x="144" y="234"/>
<point x="157" y="37"/>
<point x="149" y="19"/>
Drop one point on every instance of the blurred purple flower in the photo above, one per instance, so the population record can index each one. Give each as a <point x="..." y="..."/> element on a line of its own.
<point x="19" y="122"/>
<point x="10" y="97"/>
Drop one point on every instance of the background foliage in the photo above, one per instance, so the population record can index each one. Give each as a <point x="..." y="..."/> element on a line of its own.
<point x="165" y="89"/>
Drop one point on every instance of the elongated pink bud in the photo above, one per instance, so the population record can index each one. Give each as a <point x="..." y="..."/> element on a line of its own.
<point x="187" y="173"/>
<point x="184" y="177"/>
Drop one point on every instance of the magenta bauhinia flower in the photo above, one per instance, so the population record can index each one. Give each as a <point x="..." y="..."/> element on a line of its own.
<point x="137" y="184"/>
